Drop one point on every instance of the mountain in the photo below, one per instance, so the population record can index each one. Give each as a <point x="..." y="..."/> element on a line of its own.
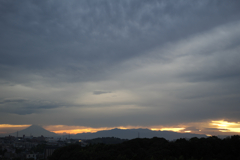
<point x="135" y="133"/>
<point x="35" y="131"/>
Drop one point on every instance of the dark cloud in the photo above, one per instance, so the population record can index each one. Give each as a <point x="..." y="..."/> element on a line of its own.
<point x="13" y="100"/>
<point x="167" y="61"/>
<point x="23" y="106"/>
<point x="78" y="41"/>
<point x="101" y="92"/>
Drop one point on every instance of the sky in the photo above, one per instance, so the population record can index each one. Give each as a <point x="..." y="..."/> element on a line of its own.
<point x="83" y="66"/>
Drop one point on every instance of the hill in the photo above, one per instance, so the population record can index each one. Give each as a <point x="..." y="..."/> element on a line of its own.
<point x="135" y="133"/>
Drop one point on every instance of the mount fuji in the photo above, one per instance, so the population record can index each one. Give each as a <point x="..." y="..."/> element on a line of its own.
<point x="35" y="131"/>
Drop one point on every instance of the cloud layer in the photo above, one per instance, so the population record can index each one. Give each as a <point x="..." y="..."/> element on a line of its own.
<point x="117" y="63"/>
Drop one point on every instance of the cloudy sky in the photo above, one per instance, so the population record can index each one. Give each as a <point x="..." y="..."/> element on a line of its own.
<point x="91" y="65"/>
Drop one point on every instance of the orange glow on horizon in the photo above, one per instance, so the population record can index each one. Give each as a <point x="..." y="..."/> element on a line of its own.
<point x="225" y="126"/>
<point x="93" y="130"/>
<point x="167" y="129"/>
<point x="76" y="131"/>
<point x="211" y="127"/>
<point x="10" y="128"/>
<point x="13" y="126"/>
<point x="64" y="129"/>
<point x="221" y="125"/>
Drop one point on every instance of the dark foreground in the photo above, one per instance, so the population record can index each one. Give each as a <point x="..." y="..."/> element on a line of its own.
<point x="155" y="149"/>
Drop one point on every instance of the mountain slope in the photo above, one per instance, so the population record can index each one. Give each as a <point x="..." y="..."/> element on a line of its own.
<point x="135" y="133"/>
<point x="35" y="131"/>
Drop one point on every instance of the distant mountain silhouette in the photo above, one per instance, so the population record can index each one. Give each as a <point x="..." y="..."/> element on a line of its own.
<point x="35" y="131"/>
<point x="135" y="133"/>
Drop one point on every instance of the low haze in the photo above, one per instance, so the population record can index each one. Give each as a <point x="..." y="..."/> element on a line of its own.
<point x="84" y="66"/>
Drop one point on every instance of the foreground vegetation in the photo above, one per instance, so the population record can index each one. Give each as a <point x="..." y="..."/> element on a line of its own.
<point x="155" y="149"/>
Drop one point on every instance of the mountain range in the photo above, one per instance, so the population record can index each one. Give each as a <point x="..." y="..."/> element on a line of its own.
<point x="36" y="131"/>
<point x="136" y="133"/>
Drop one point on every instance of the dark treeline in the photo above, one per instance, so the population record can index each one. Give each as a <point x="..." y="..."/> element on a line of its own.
<point x="106" y="140"/>
<point x="155" y="149"/>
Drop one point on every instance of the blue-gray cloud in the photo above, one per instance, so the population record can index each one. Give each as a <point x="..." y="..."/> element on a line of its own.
<point x="161" y="58"/>
<point x="101" y="92"/>
<point x="12" y="100"/>
<point x="77" y="41"/>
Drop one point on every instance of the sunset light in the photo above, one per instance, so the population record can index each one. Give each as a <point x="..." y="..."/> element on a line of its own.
<point x="76" y="131"/>
<point x="168" y="129"/>
<point x="13" y="126"/>
<point x="225" y="126"/>
<point x="10" y="128"/>
<point x="215" y="127"/>
<point x="64" y="129"/>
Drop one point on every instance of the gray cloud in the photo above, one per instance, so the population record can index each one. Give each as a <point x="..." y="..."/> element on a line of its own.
<point x="101" y="92"/>
<point x="167" y="61"/>
<point x="79" y="43"/>
<point x="24" y="106"/>
<point x="12" y="100"/>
